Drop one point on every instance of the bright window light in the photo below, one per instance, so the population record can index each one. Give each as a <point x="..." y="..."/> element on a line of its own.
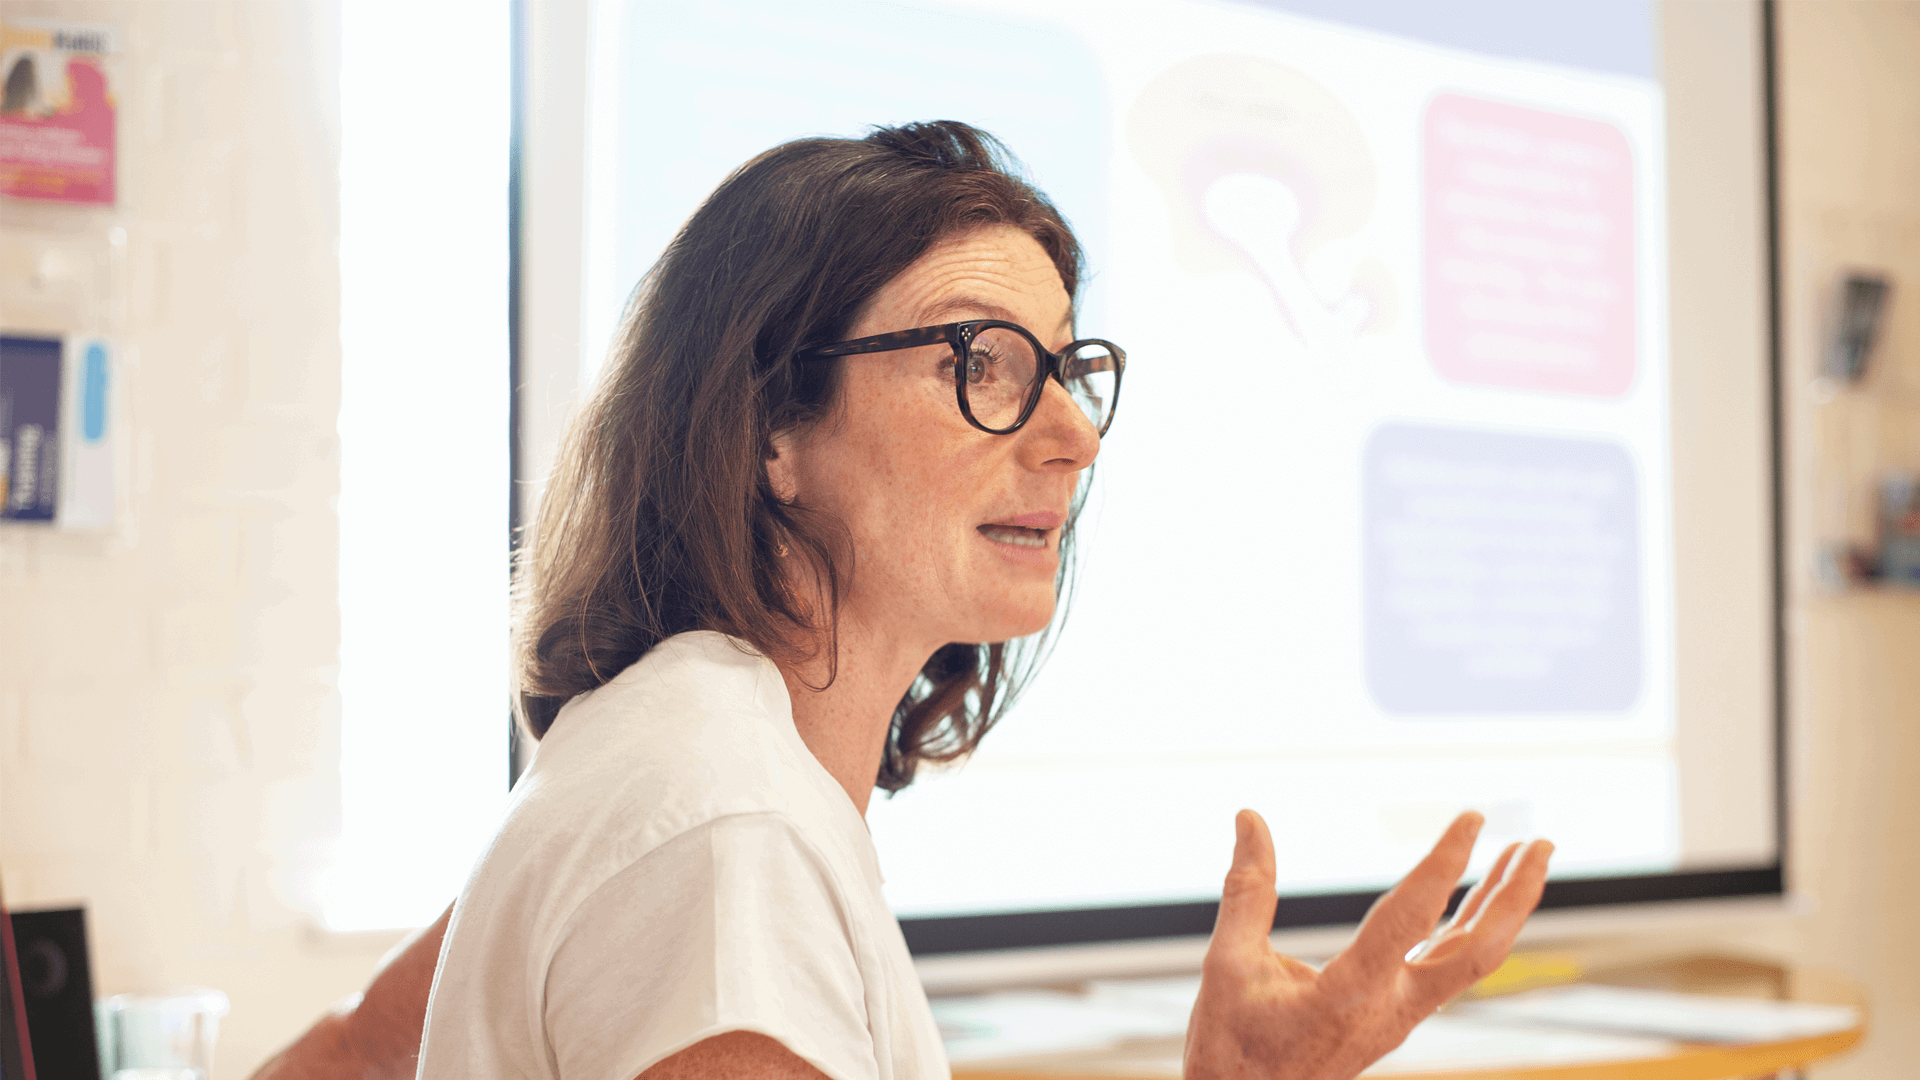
<point x="424" y="96"/>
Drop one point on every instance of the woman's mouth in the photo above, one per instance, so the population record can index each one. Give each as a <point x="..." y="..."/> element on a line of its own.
<point x="1016" y="535"/>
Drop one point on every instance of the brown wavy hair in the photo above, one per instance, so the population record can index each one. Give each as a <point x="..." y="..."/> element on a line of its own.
<point x="659" y="516"/>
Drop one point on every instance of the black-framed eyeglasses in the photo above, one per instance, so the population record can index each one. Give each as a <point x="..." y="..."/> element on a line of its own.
<point x="1000" y="370"/>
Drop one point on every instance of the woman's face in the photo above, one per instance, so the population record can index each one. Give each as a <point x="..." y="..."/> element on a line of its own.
<point x="956" y="532"/>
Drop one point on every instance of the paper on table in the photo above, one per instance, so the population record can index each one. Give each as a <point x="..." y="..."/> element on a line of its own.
<point x="1691" y="1017"/>
<point x="1017" y="1022"/>
<point x="1014" y="1023"/>
<point x="1170" y="997"/>
<point x="1442" y="1042"/>
<point x="1454" y="1042"/>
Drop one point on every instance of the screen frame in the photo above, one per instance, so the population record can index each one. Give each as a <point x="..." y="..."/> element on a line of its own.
<point x="16" y="1048"/>
<point x="946" y="935"/>
<point x="549" y="97"/>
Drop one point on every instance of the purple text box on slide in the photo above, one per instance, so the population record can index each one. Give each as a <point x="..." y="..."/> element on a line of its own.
<point x="1501" y="573"/>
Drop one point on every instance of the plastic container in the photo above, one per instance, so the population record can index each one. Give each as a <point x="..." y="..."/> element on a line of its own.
<point x="162" y="1036"/>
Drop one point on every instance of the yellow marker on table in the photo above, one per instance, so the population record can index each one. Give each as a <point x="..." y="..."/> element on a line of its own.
<point x="1525" y="971"/>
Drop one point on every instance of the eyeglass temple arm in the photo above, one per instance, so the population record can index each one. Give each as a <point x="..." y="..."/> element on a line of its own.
<point x="902" y="339"/>
<point x="1075" y="366"/>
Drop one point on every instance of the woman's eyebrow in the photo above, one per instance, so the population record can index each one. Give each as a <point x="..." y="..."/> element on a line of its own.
<point x="973" y="305"/>
<point x="965" y="305"/>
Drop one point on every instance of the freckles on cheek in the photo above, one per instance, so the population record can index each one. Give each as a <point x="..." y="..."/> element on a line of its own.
<point x="887" y="465"/>
<point x="925" y="494"/>
<point x="905" y="469"/>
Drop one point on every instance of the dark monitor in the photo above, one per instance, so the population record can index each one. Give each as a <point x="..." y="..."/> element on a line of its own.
<point x="55" y="992"/>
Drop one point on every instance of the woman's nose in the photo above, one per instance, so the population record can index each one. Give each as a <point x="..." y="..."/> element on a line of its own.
<point x="1059" y="434"/>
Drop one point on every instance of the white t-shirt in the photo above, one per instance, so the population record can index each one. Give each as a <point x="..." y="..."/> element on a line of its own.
<point x="676" y="864"/>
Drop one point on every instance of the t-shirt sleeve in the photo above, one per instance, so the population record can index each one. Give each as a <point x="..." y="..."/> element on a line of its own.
<point x="736" y="925"/>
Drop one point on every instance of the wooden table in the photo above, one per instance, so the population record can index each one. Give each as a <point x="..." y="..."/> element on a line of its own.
<point x="1720" y="975"/>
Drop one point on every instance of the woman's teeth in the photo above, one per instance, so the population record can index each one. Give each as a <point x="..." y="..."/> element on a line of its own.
<point x="1016" y="535"/>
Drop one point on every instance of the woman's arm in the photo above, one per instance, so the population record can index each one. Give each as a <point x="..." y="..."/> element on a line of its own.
<point x="735" y="1055"/>
<point x="374" y="1035"/>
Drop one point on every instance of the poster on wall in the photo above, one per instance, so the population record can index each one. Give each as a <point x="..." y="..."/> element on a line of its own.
<point x="29" y="428"/>
<point x="57" y="112"/>
<point x="56" y="445"/>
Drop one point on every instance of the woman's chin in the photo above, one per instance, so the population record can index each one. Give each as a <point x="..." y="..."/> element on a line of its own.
<point x="1017" y="620"/>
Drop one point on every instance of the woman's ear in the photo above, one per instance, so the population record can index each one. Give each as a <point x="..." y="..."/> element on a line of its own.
<point x="782" y="471"/>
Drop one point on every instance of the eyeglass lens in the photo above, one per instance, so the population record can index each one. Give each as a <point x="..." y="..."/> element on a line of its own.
<point x="1002" y="368"/>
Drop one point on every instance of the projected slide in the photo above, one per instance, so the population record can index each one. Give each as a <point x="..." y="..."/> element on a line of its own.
<point x="1383" y="529"/>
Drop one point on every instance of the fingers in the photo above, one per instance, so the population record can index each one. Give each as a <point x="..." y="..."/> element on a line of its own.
<point x="1408" y="913"/>
<point x="1475" y="947"/>
<point x="1471" y="903"/>
<point x="1477" y="896"/>
<point x="1509" y="903"/>
<point x="1248" y="899"/>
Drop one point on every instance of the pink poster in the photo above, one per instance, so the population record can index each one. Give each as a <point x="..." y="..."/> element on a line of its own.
<point x="1529" y="248"/>
<point x="57" y="115"/>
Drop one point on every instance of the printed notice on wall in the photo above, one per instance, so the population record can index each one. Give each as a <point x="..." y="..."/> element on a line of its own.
<point x="29" y="428"/>
<point x="57" y="114"/>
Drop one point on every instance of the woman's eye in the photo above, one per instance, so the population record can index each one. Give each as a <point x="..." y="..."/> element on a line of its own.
<point x="980" y="364"/>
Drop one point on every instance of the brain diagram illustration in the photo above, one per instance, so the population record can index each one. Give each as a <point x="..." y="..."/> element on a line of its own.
<point x="1267" y="172"/>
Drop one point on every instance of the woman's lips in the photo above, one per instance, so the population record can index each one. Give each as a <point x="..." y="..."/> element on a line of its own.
<point x="1039" y="519"/>
<point x="1026" y="538"/>
<point x="1015" y="535"/>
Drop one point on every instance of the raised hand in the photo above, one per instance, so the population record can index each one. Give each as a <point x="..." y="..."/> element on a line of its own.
<point x="1264" y="1016"/>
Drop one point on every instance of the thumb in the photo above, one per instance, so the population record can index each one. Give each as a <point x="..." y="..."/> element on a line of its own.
<point x="1247" y="900"/>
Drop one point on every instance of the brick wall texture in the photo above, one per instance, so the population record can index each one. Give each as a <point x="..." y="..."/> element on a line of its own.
<point x="168" y="713"/>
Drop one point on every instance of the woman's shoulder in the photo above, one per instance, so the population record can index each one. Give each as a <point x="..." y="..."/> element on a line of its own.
<point x="699" y="728"/>
<point x="681" y="682"/>
<point x="677" y="796"/>
<point x="698" y="731"/>
<point x="700" y="719"/>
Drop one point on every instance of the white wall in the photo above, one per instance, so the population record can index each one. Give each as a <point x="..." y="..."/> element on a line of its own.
<point x="1850" y="128"/>
<point x="1850" y="198"/>
<point x="168" y="714"/>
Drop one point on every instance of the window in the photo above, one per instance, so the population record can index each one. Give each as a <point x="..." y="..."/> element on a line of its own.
<point x="424" y="454"/>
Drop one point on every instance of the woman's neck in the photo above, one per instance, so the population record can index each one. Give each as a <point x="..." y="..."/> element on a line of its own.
<point x="846" y="724"/>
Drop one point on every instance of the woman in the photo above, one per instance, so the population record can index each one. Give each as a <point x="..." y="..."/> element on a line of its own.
<point x="829" y="479"/>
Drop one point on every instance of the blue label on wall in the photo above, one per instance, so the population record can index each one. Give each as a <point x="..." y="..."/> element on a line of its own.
<point x="93" y="394"/>
<point x="29" y="428"/>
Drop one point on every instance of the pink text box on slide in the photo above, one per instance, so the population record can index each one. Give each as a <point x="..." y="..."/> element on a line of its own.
<point x="1529" y="248"/>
